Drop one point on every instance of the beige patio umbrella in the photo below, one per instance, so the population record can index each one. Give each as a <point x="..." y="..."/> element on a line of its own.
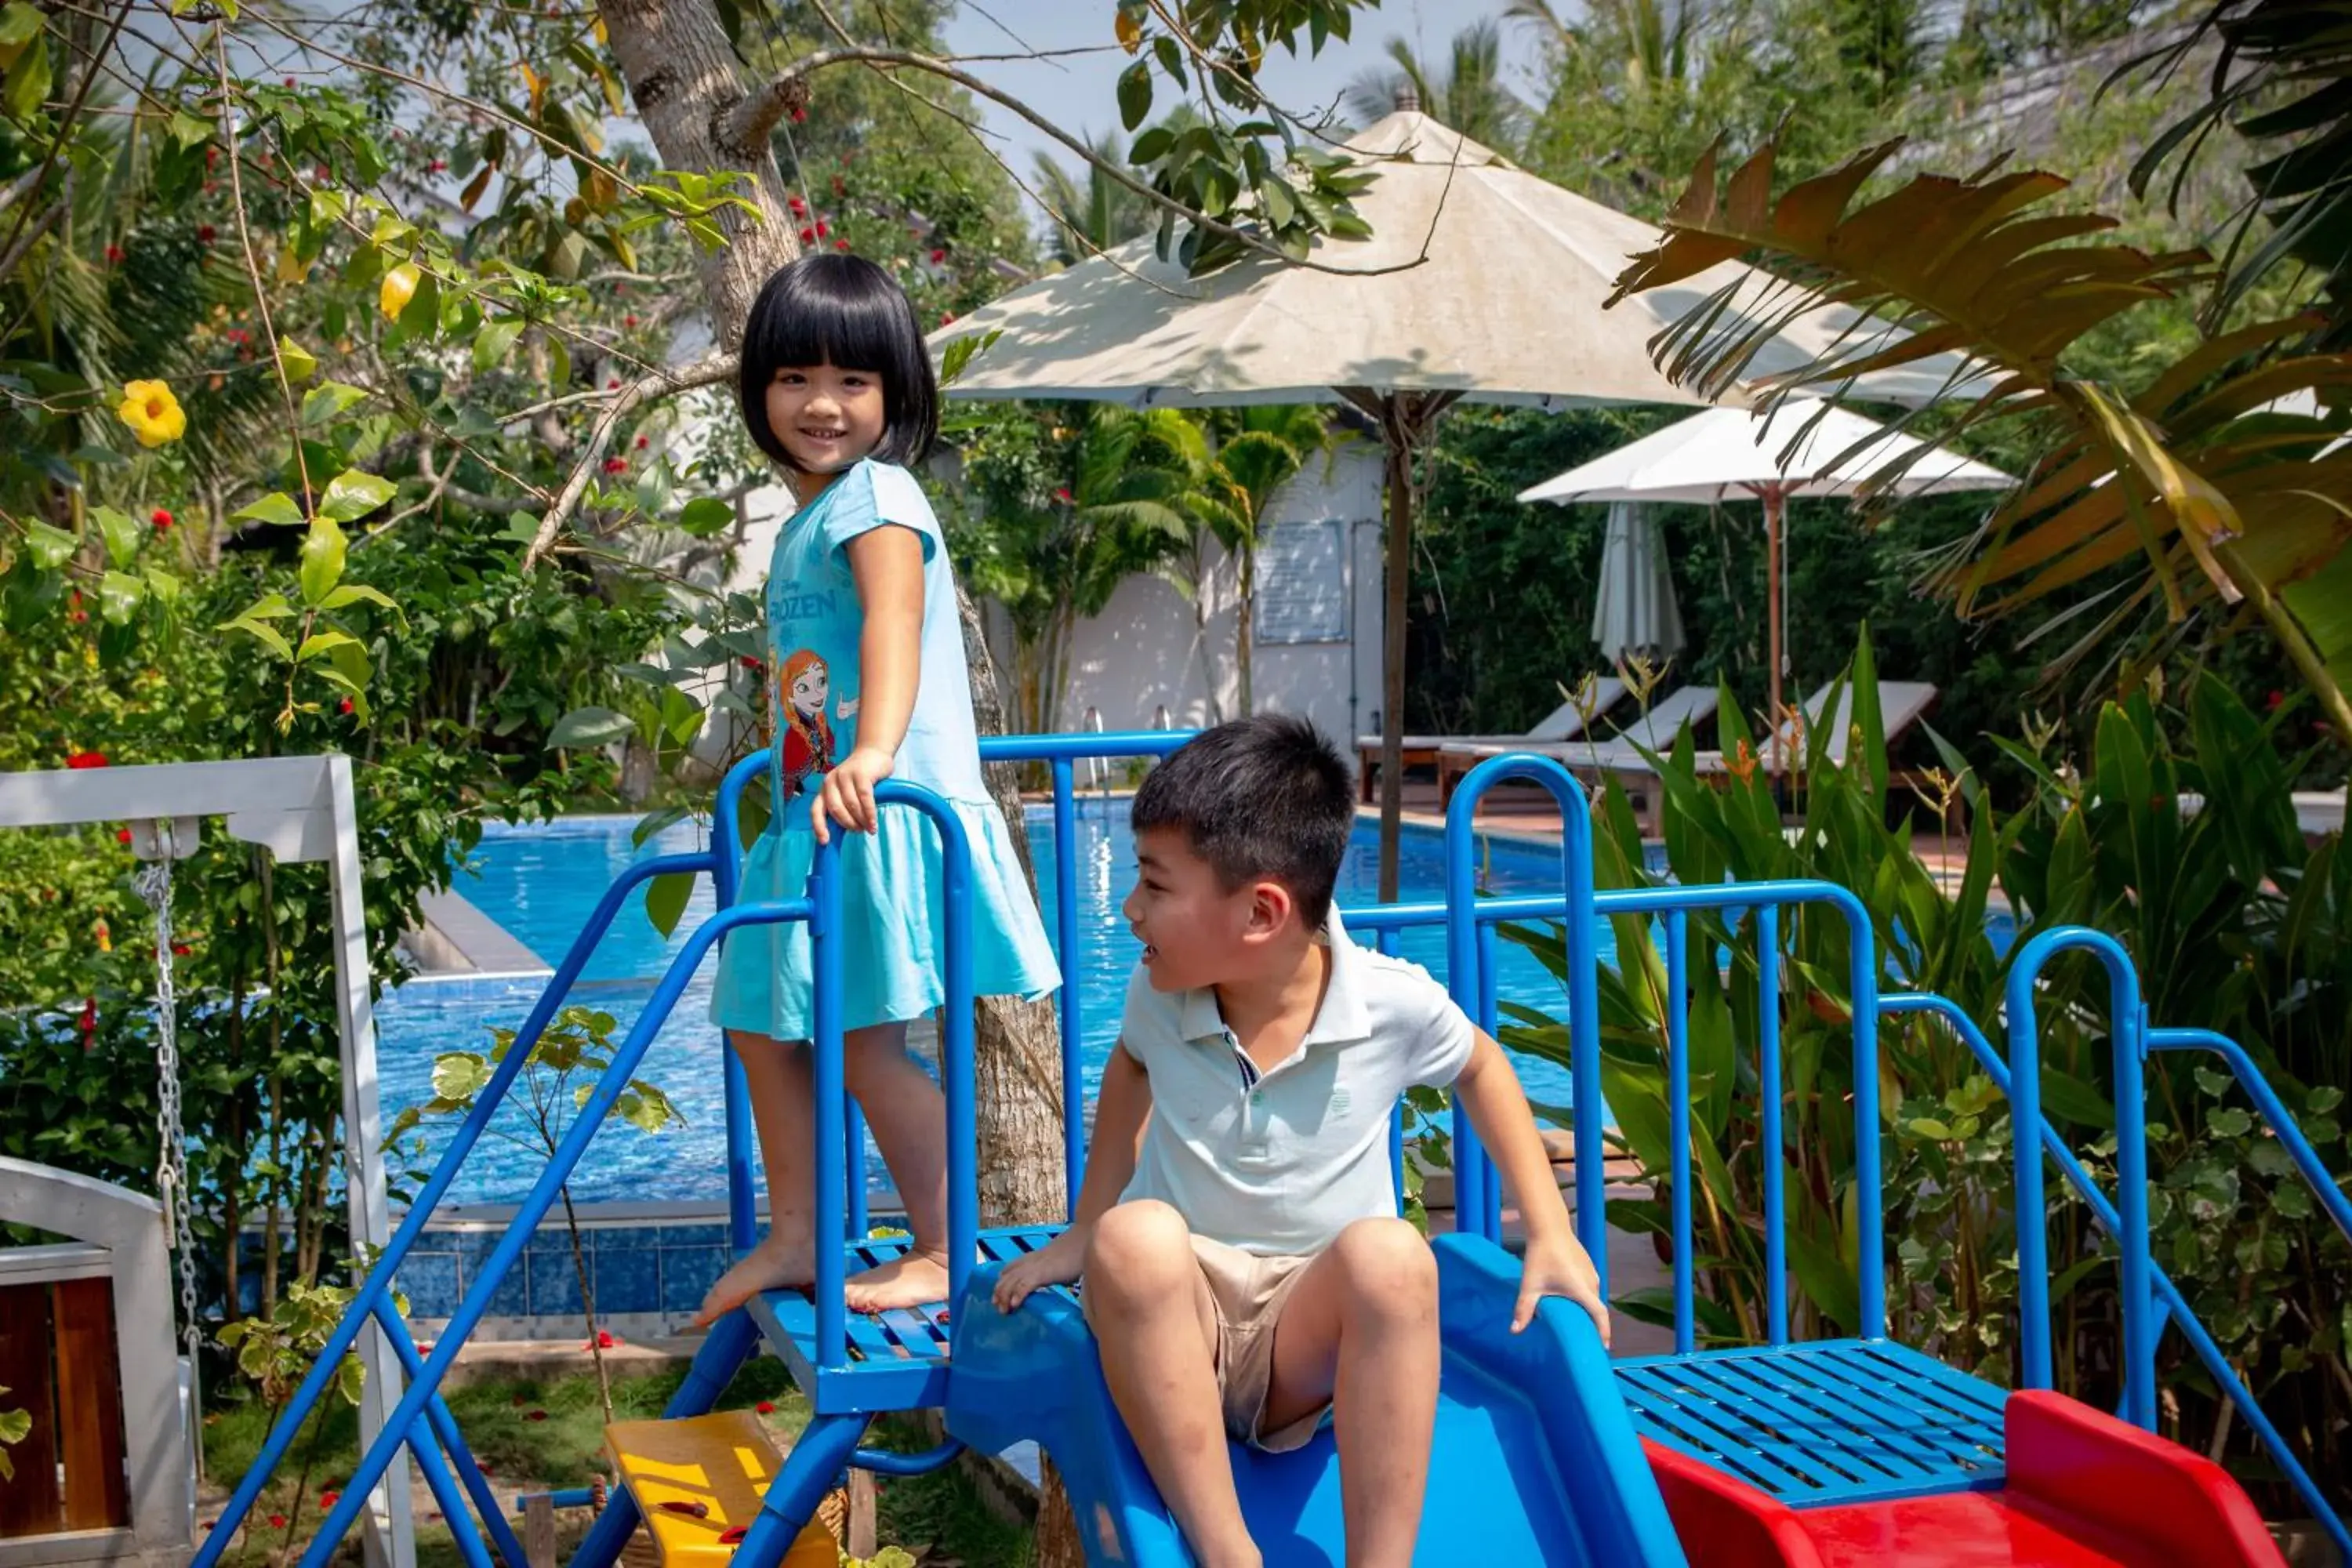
<point x="1504" y="307"/>
<point x="1803" y="448"/>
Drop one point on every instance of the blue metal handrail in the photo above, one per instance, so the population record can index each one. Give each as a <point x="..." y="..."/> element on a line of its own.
<point x="2130" y="1022"/>
<point x="2104" y="1214"/>
<point x="2273" y="1112"/>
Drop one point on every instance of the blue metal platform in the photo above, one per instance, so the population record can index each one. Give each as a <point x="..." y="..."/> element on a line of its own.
<point x="1829" y="1421"/>
<point x="896" y="1361"/>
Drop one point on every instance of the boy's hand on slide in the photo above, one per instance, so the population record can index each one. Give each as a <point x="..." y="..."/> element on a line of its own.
<point x="1055" y="1263"/>
<point x="846" y="796"/>
<point x="1560" y="1268"/>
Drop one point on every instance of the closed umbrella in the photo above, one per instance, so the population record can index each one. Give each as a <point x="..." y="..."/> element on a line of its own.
<point x="1803" y="448"/>
<point x="1504" y="305"/>
<point x="1635" y="612"/>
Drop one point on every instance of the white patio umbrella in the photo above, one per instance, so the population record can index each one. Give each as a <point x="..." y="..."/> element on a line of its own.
<point x="1730" y="452"/>
<point x="1479" y="280"/>
<point x="1634" y="611"/>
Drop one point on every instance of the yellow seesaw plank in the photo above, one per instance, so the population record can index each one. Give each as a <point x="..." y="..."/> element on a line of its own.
<point x="699" y="1480"/>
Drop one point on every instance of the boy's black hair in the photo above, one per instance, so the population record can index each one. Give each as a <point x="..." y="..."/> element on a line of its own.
<point x="845" y="311"/>
<point x="1266" y="797"/>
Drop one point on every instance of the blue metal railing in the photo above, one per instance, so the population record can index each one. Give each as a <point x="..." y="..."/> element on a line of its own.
<point x="1471" y="923"/>
<point x="2171" y="1303"/>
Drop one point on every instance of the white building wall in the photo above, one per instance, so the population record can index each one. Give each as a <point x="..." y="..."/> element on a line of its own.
<point x="1140" y="664"/>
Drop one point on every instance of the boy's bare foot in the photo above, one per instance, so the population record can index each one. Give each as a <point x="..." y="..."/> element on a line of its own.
<point x="915" y="1279"/>
<point x="778" y="1263"/>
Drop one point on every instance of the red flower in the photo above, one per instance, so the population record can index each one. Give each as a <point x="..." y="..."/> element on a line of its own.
<point x="1063" y="495"/>
<point x="748" y="662"/>
<point x="2275" y="699"/>
<point x="947" y="317"/>
<point x="289" y="81"/>
<point x="278" y="1521"/>
<point x="535" y="1415"/>
<point x="74" y="612"/>
<point x="800" y="116"/>
<point x="122" y="836"/>
<point x="821" y="230"/>
<point x="330" y="1498"/>
<point x="160" y="518"/>
<point x="114" y="255"/>
<point x="628" y="320"/>
<point x="938" y="257"/>
<point x="85" y="759"/>
<point x="89" y="1017"/>
<point x="181" y="950"/>
<point x="800" y="207"/>
<point x="641" y="442"/>
<point x="614" y="385"/>
<point x="616" y="465"/>
<point x="435" y="167"/>
<point x="344" y="706"/>
<point x="324" y="172"/>
<point x="204" y="234"/>
<point x="808" y="237"/>
<point x="764" y="1408"/>
<point x="841" y="244"/>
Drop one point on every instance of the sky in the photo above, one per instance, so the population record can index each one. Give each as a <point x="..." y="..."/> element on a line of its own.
<point x="1080" y="92"/>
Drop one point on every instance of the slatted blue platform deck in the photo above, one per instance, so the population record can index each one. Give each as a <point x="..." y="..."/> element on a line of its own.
<point x="897" y="1361"/>
<point x="1833" y="1421"/>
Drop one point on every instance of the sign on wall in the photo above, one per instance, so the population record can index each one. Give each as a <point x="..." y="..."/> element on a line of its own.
<point x="1302" y="583"/>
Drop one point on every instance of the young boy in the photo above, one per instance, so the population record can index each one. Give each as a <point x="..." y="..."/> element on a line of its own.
<point x="1244" y="1266"/>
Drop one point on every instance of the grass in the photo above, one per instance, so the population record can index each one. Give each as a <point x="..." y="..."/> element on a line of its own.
<point x="538" y="1434"/>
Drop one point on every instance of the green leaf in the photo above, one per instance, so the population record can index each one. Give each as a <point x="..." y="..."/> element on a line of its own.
<point x="1134" y="94"/>
<point x="352" y="495"/>
<point x="322" y="558"/>
<point x="327" y="399"/>
<point x="163" y="586"/>
<point x="494" y="341"/>
<point x="262" y="632"/>
<point x="591" y="727"/>
<point x="51" y="546"/>
<point x="275" y="508"/>
<point x="118" y="594"/>
<point x="460" y="1075"/>
<point x="326" y="641"/>
<point x="300" y="363"/>
<point x="121" y="535"/>
<point x="958" y="354"/>
<point x="666" y="900"/>
<point x="705" y="515"/>
<point x="349" y="594"/>
<point x="28" y="81"/>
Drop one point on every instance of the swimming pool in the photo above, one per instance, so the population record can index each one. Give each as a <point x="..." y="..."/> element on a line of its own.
<point x="540" y="882"/>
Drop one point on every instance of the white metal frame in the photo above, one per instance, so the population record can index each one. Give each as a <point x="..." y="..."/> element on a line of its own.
<point x="301" y="809"/>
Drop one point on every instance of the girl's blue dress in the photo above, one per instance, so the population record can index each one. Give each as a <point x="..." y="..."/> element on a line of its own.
<point x="893" y="967"/>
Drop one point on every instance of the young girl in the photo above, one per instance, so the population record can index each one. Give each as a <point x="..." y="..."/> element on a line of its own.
<point x="864" y="634"/>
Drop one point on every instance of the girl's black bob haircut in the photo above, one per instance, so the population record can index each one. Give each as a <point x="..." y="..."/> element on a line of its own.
<point x="845" y="311"/>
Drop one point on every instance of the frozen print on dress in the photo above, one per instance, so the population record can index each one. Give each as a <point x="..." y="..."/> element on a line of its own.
<point x="802" y="686"/>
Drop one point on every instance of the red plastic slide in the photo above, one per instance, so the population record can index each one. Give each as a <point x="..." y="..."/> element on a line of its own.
<point x="2083" y="1490"/>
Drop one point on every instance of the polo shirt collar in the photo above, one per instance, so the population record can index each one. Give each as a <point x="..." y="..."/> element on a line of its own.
<point x="1341" y="1017"/>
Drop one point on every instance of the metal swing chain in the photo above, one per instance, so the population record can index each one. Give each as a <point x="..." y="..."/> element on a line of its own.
<point x="153" y="882"/>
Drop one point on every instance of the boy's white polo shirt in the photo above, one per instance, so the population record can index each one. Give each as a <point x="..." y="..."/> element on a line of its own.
<point x="1279" y="1162"/>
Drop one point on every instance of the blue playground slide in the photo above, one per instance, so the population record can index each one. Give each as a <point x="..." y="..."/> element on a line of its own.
<point x="1534" y="1461"/>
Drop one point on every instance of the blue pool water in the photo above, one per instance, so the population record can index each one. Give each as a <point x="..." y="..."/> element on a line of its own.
<point x="540" y="883"/>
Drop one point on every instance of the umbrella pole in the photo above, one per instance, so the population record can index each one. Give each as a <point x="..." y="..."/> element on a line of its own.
<point x="1395" y="435"/>
<point x="1774" y="713"/>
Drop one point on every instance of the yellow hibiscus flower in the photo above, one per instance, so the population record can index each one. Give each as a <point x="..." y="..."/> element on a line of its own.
<point x="153" y="415"/>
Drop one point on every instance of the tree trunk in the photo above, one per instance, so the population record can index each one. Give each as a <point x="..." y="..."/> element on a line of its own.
<point x="682" y="75"/>
<point x="1242" y="631"/>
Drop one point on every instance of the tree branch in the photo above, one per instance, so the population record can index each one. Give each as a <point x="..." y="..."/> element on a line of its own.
<point x="749" y="122"/>
<point x="707" y="370"/>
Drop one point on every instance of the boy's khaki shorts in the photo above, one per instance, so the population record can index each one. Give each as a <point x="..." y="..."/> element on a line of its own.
<point x="1248" y="1292"/>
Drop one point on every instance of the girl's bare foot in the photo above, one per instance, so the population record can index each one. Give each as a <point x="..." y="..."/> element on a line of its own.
<point x="915" y="1279"/>
<point x="778" y="1263"/>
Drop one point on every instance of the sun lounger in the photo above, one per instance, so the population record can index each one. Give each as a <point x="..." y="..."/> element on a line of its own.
<point x="1564" y="723"/>
<point x="1901" y="704"/>
<point x="1591" y="760"/>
